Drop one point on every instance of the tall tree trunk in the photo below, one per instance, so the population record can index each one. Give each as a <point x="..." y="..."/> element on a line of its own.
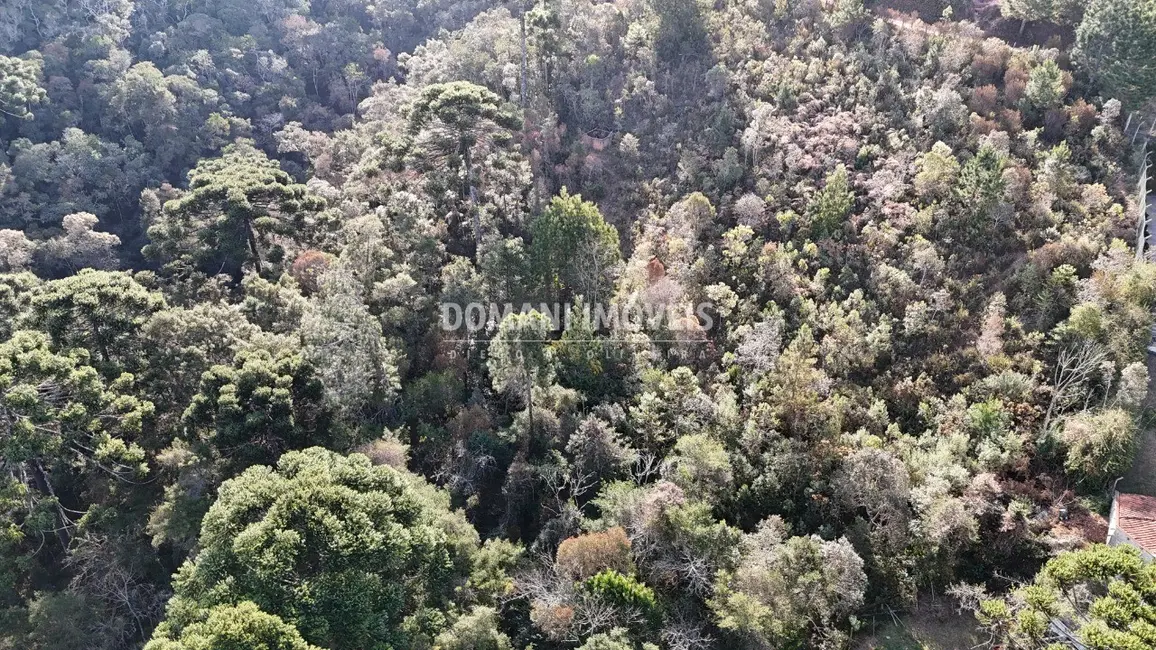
<point x="529" y="405"/>
<point x="522" y="89"/>
<point x="40" y="478"/>
<point x="253" y="248"/>
<point x="471" y="194"/>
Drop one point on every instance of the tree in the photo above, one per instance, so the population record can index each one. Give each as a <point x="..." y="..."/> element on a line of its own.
<point x="20" y="87"/>
<point x="790" y="593"/>
<point x="79" y="247"/>
<point x="477" y="630"/>
<point x="240" y="209"/>
<point x="236" y="627"/>
<point x="344" y="342"/>
<point x="681" y="34"/>
<point x="586" y="555"/>
<point x="456" y="122"/>
<point x="980" y="188"/>
<point x="843" y="14"/>
<point x="672" y="406"/>
<point x="623" y="592"/>
<point x="259" y="407"/>
<point x="1133" y="388"/>
<point x="181" y="344"/>
<point x="56" y="410"/>
<point x="587" y="363"/>
<point x="796" y="389"/>
<point x="1115" y="41"/>
<point x="1045" y="85"/>
<point x="831" y="206"/>
<point x="249" y="411"/>
<point x="699" y="465"/>
<point x="573" y="251"/>
<point x="520" y="359"/>
<point x="78" y="172"/>
<point x="877" y="482"/>
<point x="350" y="554"/>
<point x="1026" y="10"/>
<point x="1101" y="446"/>
<point x="1102" y="593"/>
<point x="616" y="639"/>
<point x="598" y="450"/>
<point x="1074" y="366"/>
<point x="99" y="311"/>
<point x="751" y="211"/>
<point x="142" y="100"/>
<point x="16" y="291"/>
<point x="16" y="251"/>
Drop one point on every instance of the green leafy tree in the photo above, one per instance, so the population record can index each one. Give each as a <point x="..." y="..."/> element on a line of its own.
<point x="623" y="592"/>
<point x="477" y="630"/>
<point x="1101" y="446"/>
<point x="1115" y="42"/>
<point x="699" y="465"/>
<point x="1045" y="85"/>
<point x="1025" y="10"/>
<point x="573" y="251"/>
<point x="845" y="14"/>
<point x="352" y="555"/>
<point x="1103" y="593"/>
<point x="587" y="363"/>
<point x="938" y="170"/>
<point x="343" y="341"/>
<point x="244" y="413"/>
<point x="236" y="627"/>
<point x="181" y="344"/>
<point x="790" y="593"/>
<point x="99" y="311"/>
<point x="681" y="33"/>
<point x="831" y="206"/>
<point x="979" y="190"/>
<point x="616" y="639"/>
<point x="16" y="290"/>
<point x="237" y="211"/>
<point x="20" y="87"/>
<point x="259" y="407"/>
<point x="672" y="405"/>
<point x="455" y="124"/>
<point x="61" y="425"/>
<point x="520" y="358"/>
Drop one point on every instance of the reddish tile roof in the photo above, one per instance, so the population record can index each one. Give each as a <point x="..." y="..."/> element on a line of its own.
<point x="1136" y="516"/>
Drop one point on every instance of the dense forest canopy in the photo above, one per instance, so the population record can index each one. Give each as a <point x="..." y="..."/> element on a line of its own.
<point x="563" y="324"/>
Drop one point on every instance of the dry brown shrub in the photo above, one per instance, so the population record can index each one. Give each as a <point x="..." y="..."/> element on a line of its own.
<point x="982" y="125"/>
<point x="307" y="269"/>
<point x="1015" y="83"/>
<point x="1083" y="118"/>
<point x="386" y="451"/>
<point x="553" y="620"/>
<point x="984" y="100"/>
<point x="583" y="556"/>
<point x="988" y="64"/>
<point x="1012" y="121"/>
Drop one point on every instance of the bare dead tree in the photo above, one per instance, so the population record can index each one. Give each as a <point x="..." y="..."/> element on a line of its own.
<point x="593" y="615"/>
<point x="686" y="634"/>
<point x="1074" y="366"/>
<point x="647" y="466"/>
<point x="463" y="469"/>
<point x="133" y="605"/>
